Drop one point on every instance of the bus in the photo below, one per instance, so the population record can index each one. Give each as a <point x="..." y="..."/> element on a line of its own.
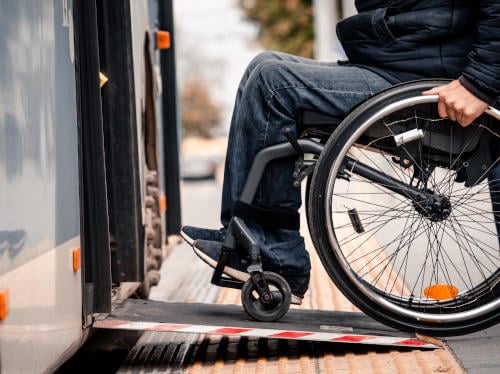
<point x="89" y="186"/>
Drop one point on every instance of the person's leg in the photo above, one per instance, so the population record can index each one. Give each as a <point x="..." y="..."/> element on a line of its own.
<point x="270" y="96"/>
<point x="267" y="58"/>
<point x="273" y="94"/>
<point x="262" y="61"/>
<point x="191" y="233"/>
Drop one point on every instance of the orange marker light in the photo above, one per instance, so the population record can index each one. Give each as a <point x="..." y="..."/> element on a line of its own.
<point x="163" y="203"/>
<point x="441" y="291"/>
<point x="76" y="259"/>
<point x="162" y="39"/>
<point x="4" y="303"/>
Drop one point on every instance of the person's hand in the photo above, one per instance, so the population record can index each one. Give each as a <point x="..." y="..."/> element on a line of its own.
<point x="457" y="103"/>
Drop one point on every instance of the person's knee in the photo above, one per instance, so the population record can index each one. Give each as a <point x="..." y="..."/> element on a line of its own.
<point x="274" y="74"/>
<point x="265" y="75"/>
<point x="263" y="58"/>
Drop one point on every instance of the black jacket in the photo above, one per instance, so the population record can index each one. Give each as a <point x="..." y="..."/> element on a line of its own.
<point x="405" y="40"/>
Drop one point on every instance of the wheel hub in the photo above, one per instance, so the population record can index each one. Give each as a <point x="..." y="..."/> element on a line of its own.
<point x="434" y="207"/>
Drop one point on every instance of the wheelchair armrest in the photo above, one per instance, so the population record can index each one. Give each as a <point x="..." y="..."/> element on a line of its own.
<point x="316" y="123"/>
<point x="310" y="118"/>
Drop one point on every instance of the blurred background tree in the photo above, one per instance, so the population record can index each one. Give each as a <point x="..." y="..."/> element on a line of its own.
<point x="284" y="25"/>
<point x="201" y="116"/>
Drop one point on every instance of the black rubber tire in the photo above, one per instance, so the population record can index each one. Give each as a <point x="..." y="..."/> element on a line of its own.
<point x="330" y="254"/>
<point x="260" y="311"/>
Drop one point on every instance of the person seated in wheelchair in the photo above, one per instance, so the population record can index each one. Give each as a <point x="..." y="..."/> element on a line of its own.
<point x="387" y="43"/>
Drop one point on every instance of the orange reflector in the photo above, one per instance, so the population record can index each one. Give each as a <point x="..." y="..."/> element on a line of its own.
<point x="163" y="203"/>
<point x="4" y="303"/>
<point x="102" y="79"/>
<point x="76" y="259"/>
<point x="162" y="39"/>
<point x="441" y="291"/>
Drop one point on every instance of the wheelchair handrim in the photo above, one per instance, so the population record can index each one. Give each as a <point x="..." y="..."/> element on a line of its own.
<point x="349" y="272"/>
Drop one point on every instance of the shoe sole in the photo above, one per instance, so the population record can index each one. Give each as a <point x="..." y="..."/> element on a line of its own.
<point x="233" y="273"/>
<point x="187" y="238"/>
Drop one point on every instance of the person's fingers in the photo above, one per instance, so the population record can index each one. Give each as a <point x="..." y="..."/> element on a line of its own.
<point x="443" y="109"/>
<point x="456" y="103"/>
<point x="454" y="108"/>
<point x="432" y="91"/>
<point x="462" y="119"/>
<point x="450" y="114"/>
<point x="470" y="112"/>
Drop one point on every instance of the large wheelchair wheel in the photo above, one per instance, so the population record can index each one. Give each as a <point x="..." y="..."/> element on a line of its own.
<point x="404" y="213"/>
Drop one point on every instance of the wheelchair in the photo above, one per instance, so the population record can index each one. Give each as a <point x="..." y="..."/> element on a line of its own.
<point x="403" y="208"/>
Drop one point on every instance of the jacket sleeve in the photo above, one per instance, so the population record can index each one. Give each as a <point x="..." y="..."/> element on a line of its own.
<point x="483" y="62"/>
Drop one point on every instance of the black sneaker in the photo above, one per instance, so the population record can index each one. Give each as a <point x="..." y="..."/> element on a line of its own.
<point x="209" y="252"/>
<point x="191" y="233"/>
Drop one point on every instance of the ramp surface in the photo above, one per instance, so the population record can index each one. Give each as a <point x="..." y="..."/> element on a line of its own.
<point x="300" y="324"/>
<point x="478" y="352"/>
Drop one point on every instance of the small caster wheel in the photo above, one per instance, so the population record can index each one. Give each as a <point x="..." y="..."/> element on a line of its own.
<point x="267" y="311"/>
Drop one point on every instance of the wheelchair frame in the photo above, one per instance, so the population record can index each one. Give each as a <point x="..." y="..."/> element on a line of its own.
<point x="273" y="292"/>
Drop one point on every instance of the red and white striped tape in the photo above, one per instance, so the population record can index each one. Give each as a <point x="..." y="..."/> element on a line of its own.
<point x="265" y="333"/>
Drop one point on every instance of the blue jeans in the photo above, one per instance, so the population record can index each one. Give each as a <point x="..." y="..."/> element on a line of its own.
<point x="273" y="90"/>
